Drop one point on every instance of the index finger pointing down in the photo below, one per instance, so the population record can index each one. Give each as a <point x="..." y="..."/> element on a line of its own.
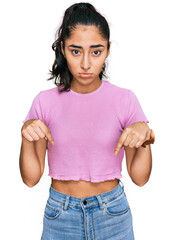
<point x="47" y="132"/>
<point x="120" y="142"/>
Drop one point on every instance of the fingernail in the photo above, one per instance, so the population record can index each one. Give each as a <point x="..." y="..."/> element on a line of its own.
<point x="52" y="142"/>
<point x="116" y="152"/>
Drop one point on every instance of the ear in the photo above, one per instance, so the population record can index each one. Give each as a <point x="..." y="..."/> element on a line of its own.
<point x="61" y="44"/>
<point x="109" y="49"/>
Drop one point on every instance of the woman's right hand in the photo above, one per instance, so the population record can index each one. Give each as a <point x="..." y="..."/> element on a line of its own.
<point x="35" y="129"/>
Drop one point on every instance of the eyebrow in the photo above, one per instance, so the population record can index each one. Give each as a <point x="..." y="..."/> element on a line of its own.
<point x="92" y="46"/>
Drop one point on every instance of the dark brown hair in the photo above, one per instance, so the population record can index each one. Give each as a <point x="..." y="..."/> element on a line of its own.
<point x="78" y="13"/>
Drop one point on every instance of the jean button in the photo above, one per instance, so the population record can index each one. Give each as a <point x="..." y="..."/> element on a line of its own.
<point x="84" y="202"/>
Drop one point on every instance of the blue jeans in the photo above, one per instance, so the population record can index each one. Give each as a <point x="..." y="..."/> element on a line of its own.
<point x="106" y="216"/>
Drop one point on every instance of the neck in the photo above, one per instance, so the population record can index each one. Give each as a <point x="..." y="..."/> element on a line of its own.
<point x="85" y="88"/>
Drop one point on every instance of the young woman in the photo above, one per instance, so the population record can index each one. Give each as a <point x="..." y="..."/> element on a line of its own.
<point x="82" y="122"/>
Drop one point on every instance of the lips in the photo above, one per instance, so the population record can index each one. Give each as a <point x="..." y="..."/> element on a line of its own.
<point x="85" y="75"/>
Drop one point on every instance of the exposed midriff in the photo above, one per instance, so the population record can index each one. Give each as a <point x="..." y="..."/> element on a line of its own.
<point x="81" y="189"/>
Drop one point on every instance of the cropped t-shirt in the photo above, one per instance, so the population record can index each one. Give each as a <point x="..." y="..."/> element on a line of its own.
<point x="86" y="128"/>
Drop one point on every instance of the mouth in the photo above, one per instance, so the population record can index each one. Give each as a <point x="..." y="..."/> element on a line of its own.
<point x="85" y="75"/>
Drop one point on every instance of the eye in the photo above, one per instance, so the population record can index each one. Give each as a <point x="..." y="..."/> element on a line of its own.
<point x="97" y="52"/>
<point x="75" y="51"/>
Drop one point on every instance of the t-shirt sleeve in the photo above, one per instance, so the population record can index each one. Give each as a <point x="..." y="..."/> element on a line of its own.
<point x="134" y="111"/>
<point x="35" y="111"/>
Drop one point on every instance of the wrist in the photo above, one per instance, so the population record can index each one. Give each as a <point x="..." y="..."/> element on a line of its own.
<point x="150" y="141"/>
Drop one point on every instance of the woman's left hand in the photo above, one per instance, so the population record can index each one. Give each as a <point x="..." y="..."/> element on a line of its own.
<point x="134" y="136"/>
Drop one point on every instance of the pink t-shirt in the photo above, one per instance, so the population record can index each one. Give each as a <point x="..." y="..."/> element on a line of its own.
<point x="86" y="128"/>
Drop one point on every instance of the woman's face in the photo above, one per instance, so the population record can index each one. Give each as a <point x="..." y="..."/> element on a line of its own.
<point x="85" y="52"/>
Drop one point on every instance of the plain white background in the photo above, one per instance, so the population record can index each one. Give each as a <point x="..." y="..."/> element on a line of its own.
<point x="141" y="59"/>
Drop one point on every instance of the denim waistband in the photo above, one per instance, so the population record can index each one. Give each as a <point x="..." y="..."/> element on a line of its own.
<point x="86" y="202"/>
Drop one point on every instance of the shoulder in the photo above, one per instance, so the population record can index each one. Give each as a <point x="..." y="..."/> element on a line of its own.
<point x="48" y="92"/>
<point x="117" y="91"/>
<point x="48" y="95"/>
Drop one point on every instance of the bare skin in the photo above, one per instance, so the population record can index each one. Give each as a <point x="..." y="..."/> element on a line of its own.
<point x="81" y="189"/>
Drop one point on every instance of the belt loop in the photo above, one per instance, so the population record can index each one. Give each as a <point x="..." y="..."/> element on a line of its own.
<point x="66" y="202"/>
<point x="121" y="183"/>
<point x="100" y="202"/>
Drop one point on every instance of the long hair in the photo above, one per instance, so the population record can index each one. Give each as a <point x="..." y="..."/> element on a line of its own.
<point x="78" y="13"/>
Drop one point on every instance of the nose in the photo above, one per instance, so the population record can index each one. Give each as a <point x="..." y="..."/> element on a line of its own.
<point x="85" y="62"/>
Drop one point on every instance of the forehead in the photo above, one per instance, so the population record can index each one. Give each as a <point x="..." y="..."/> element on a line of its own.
<point x="86" y="35"/>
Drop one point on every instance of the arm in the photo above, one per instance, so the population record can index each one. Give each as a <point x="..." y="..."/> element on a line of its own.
<point x="139" y="164"/>
<point x="136" y="133"/>
<point x="32" y="161"/>
<point x="138" y="158"/>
